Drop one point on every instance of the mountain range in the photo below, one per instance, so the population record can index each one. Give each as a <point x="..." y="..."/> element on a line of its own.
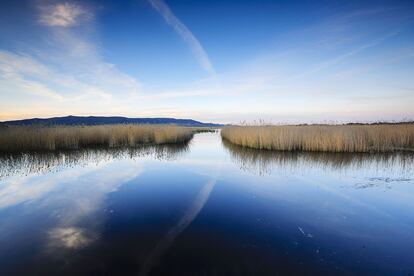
<point x="101" y="120"/>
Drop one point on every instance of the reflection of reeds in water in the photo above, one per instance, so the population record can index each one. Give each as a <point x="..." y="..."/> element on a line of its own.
<point x="263" y="161"/>
<point x="32" y="138"/>
<point x="41" y="162"/>
<point x="324" y="138"/>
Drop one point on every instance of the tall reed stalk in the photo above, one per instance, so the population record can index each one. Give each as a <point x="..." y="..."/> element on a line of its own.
<point x="324" y="138"/>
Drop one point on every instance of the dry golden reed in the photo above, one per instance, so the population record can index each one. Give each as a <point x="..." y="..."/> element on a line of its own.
<point x="324" y="138"/>
<point x="32" y="138"/>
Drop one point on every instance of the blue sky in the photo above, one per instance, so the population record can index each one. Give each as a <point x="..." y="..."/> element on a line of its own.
<point x="218" y="61"/>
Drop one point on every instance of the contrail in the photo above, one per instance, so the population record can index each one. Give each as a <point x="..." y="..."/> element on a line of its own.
<point x="185" y="34"/>
<point x="191" y="213"/>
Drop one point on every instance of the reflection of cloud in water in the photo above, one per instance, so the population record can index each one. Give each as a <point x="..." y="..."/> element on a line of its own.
<point x="73" y="195"/>
<point x="191" y="213"/>
<point x="26" y="177"/>
<point x="95" y="179"/>
<point x="263" y="162"/>
<point x="73" y="185"/>
<point x="75" y="190"/>
<point x="73" y="204"/>
<point x="70" y="237"/>
<point x="85" y="194"/>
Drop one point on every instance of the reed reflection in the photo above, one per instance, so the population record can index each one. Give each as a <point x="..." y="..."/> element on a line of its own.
<point x="21" y="164"/>
<point x="263" y="162"/>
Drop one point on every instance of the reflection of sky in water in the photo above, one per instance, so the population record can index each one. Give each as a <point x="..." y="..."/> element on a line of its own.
<point x="70" y="237"/>
<point x="242" y="210"/>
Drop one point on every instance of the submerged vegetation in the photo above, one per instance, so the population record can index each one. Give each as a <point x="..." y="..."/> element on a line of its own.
<point x="38" y="138"/>
<point x="324" y="138"/>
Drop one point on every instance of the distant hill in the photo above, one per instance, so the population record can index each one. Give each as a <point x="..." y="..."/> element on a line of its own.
<point x="100" y="120"/>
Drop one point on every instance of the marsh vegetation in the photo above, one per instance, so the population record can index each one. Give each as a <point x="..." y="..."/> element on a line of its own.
<point x="324" y="138"/>
<point x="38" y="138"/>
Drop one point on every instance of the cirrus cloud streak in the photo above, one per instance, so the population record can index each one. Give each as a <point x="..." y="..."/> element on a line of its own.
<point x="185" y="33"/>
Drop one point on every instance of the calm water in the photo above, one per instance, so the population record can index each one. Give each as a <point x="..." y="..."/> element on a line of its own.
<point x="207" y="208"/>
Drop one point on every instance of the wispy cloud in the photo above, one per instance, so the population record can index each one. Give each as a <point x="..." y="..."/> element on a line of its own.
<point x="331" y="62"/>
<point x="185" y="34"/>
<point x="67" y="72"/>
<point x="16" y="69"/>
<point x="63" y="14"/>
<point x="74" y="54"/>
<point x="30" y="76"/>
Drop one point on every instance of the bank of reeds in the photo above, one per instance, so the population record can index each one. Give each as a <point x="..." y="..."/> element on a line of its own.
<point x="38" y="138"/>
<point x="324" y="138"/>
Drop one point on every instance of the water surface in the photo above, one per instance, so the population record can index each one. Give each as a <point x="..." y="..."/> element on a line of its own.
<point x="207" y="208"/>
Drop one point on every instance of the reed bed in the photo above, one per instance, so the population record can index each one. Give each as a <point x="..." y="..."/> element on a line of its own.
<point x="38" y="138"/>
<point x="324" y="138"/>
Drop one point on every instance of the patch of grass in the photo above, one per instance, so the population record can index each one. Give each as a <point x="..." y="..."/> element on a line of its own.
<point x="38" y="138"/>
<point x="324" y="138"/>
